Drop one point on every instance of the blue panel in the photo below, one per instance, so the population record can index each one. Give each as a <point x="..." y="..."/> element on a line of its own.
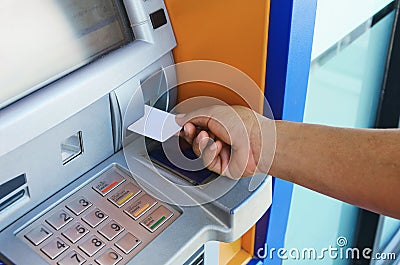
<point x="288" y="63"/>
<point x="277" y="61"/>
<point x="302" y="31"/>
<point x="251" y="262"/>
<point x="261" y="230"/>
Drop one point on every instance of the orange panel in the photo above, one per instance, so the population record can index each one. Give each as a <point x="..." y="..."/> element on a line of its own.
<point x="241" y="258"/>
<point x="227" y="251"/>
<point x="233" y="32"/>
<point x="248" y="241"/>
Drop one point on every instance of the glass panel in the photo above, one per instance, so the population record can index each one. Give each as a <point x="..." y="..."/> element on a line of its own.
<point x="344" y="90"/>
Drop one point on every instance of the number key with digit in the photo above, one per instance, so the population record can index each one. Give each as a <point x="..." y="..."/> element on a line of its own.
<point x="75" y="232"/>
<point x="92" y="245"/>
<point x="110" y="257"/>
<point x="95" y="217"/>
<point x="55" y="248"/>
<point x="38" y="235"/>
<point x="91" y="228"/>
<point x="111" y="230"/>
<point x="79" y="205"/>
<point x="73" y="258"/>
<point x="59" y="219"/>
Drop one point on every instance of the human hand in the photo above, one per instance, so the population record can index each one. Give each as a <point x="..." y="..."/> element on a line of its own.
<point x="229" y="139"/>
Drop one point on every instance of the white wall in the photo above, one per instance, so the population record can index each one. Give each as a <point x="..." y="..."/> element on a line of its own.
<point x="337" y="18"/>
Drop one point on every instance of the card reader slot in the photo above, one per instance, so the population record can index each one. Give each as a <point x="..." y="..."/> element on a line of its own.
<point x="12" y="185"/>
<point x="20" y="194"/>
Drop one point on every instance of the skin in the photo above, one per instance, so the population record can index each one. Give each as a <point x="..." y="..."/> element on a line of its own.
<point x="358" y="166"/>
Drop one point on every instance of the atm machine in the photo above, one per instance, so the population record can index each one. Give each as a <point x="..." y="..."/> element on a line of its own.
<point x="73" y="180"/>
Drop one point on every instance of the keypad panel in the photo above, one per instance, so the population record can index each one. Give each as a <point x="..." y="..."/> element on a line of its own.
<point x="108" y="221"/>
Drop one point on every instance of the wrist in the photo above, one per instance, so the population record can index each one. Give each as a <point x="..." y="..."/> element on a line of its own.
<point x="266" y="143"/>
<point x="286" y="145"/>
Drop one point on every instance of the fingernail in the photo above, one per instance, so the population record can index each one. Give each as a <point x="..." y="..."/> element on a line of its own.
<point x="180" y="116"/>
<point x="213" y="147"/>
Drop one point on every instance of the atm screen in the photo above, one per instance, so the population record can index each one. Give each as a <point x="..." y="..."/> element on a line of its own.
<point x="42" y="40"/>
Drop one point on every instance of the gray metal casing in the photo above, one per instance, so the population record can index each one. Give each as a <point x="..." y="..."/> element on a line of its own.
<point x="95" y="100"/>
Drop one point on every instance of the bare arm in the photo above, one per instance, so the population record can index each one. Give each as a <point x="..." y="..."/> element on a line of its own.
<point x="358" y="166"/>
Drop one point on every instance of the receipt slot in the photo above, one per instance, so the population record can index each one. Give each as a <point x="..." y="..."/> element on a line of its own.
<point x="71" y="184"/>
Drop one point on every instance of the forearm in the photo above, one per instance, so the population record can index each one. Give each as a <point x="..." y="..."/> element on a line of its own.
<point x="359" y="166"/>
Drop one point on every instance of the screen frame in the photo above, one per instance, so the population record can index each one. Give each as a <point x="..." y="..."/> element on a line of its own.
<point x="128" y="37"/>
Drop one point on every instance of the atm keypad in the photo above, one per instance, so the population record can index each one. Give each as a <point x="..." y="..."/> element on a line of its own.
<point x="79" y="205"/>
<point x="54" y="248"/>
<point x="128" y="243"/>
<point x="106" y="222"/>
<point x="59" y="219"/>
<point x="75" y="232"/>
<point x="38" y="234"/>
<point x="140" y="206"/>
<point x="92" y="245"/>
<point x="111" y="230"/>
<point x="73" y="258"/>
<point x="95" y="217"/>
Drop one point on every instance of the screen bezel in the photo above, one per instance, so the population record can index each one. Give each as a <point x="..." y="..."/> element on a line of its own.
<point x="128" y="35"/>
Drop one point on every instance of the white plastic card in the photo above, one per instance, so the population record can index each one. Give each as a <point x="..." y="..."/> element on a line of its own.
<point x="156" y="124"/>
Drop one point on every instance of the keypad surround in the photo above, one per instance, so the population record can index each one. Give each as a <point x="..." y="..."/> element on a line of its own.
<point x="90" y="227"/>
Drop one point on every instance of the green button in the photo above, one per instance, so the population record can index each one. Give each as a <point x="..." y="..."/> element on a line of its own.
<point x="157" y="223"/>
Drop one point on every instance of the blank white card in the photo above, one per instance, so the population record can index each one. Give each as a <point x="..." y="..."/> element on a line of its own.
<point x="156" y="124"/>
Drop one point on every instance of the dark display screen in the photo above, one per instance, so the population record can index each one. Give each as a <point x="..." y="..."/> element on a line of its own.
<point x="198" y="177"/>
<point x="50" y="38"/>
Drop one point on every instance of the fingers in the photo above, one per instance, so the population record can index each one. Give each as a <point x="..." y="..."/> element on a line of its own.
<point x="209" y="150"/>
<point x="216" y="154"/>
<point x="210" y="120"/>
<point x="219" y="124"/>
<point x="198" y="117"/>
<point x="189" y="132"/>
<point x="200" y="142"/>
<point x="211" y="158"/>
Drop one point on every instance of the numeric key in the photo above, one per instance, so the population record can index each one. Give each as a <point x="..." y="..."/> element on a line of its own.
<point x="111" y="230"/>
<point x="75" y="232"/>
<point x="79" y="205"/>
<point x="38" y="235"/>
<point x="92" y="245"/>
<point x="73" y="258"/>
<point x="110" y="257"/>
<point x="59" y="219"/>
<point x="55" y="248"/>
<point x="95" y="217"/>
